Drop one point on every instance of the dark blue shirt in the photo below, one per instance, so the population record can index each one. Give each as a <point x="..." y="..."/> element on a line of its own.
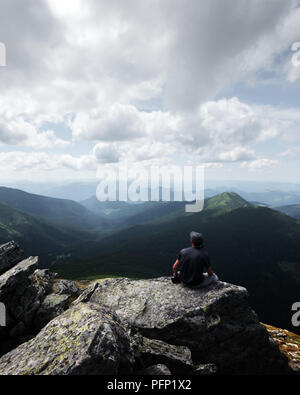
<point x="192" y="264"/>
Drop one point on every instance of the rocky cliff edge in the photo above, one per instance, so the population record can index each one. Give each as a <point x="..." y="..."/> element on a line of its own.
<point x="124" y="326"/>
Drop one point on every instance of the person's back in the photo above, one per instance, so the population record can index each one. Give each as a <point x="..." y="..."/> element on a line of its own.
<point x="192" y="263"/>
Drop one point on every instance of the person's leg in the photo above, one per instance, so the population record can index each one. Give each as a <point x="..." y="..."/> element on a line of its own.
<point x="208" y="280"/>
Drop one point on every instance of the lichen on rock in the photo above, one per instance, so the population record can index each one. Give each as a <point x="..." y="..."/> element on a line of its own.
<point x="216" y="323"/>
<point x="87" y="339"/>
<point x="121" y="325"/>
<point x="29" y="296"/>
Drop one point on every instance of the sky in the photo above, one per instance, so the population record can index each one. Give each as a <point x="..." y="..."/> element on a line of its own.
<point x="89" y="83"/>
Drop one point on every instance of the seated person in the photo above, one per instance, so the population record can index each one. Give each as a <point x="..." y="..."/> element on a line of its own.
<point x="192" y="261"/>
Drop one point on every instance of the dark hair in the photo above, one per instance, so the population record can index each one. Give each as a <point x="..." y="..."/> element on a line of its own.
<point x="198" y="244"/>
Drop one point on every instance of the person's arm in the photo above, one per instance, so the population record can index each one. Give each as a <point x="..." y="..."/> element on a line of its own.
<point x="175" y="267"/>
<point x="208" y="266"/>
<point x="210" y="271"/>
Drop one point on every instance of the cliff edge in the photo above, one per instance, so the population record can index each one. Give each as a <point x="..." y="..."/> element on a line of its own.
<point x="124" y="326"/>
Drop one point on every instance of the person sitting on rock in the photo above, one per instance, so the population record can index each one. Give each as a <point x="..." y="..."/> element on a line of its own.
<point x="191" y="262"/>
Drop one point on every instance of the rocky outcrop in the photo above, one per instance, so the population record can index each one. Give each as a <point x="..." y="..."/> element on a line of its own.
<point x="52" y="306"/>
<point x="21" y="297"/>
<point x="86" y="339"/>
<point x="215" y="323"/>
<point x="29" y="297"/>
<point x="289" y="344"/>
<point x="58" y="295"/>
<point x="208" y="369"/>
<point x="66" y="287"/>
<point x="151" y="352"/>
<point x="121" y="326"/>
<point x="10" y="255"/>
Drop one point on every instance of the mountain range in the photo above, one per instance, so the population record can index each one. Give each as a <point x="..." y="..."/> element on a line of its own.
<point x="292" y="210"/>
<point x="249" y="244"/>
<point x="33" y="233"/>
<point x="45" y="226"/>
<point x="63" y="213"/>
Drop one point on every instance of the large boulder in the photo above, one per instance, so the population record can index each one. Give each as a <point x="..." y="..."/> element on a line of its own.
<point x="20" y="295"/>
<point x="65" y="287"/>
<point x="10" y="255"/>
<point x="153" y="351"/>
<point x="58" y="295"/>
<point x="87" y="339"/>
<point x="216" y="323"/>
<point x="52" y="306"/>
<point x="31" y="298"/>
<point x="44" y="279"/>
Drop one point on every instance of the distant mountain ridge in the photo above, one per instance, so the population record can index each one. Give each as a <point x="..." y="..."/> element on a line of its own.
<point x="225" y="202"/>
<point x="253" y="246"/>
<point x="293" y="210"/>
<point x="59" y="212"/>
<point x="129" y="213"/>
<point x="45" y="226"/>
<point x="35" y="234"/>
<point x="272" y="198"/>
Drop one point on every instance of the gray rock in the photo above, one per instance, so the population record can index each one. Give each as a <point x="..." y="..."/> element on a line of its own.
<point x="44" y="279"/>
<point x="156" y="370"/>
<point x="52" y="306"/>
<point x="86" y="294"/>
<point x="18" y="292"/>
<point x="215" y="323"/>
<point x="66" y="287"/>
<point x="28" y="295"/>
<point x="56" y="296"/>
<point x="87" y="339"/>
<point x="208" y="369"/>
<point x="20" y="272"/>
<point x="10" y="255"/>
<point x="153" y="352"/>
<point x="21" y="297"/>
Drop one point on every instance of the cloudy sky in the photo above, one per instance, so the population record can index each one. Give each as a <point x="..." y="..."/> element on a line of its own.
<point x="88" y="83"/>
